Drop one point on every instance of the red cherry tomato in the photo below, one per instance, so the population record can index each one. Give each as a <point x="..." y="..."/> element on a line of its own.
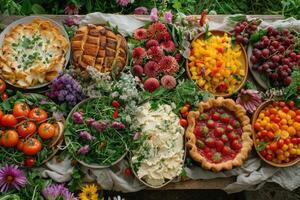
<point x="280" y="143"/>
<point x="292" y="104"/>
<point x="21" y="110"/>
<point x="297" y="118"/>
<point x="273" y="146"/>
<point x="127" y="172"/>
<point x="38" y="114"/>
<point x="32" y="146"/>
<point x="183" y="122"/>
<point x="285" y="109"/>
<point x="269" y="157"/>
<point x="4" y="96"/>
<point x="8" y="120"/>
<point x="29" y="162"/>
<point x="26" y="129"/>
<point x="2" y="86"/>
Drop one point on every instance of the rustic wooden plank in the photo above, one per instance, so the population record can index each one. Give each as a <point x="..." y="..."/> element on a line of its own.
<point x="216" y="18"/>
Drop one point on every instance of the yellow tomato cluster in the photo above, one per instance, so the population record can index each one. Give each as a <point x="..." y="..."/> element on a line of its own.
<point x="278" y="125"/>
<point x="214" y="63"/>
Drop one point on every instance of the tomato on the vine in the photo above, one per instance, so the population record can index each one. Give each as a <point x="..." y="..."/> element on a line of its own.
<point x="20" y="145"/>
<point x="1" y="114"/>
<point x="2" y="86"/>
<point x="21" y="110"/>
<point x="32" y="146"/>
<point x="27" y="128"/>
<point x="46" y="130"/>
<point x="38" y="114"/>
<point x="8" y="120"/>
<point x="29" y="162"/>
<point x="9" y="138"/>
<point x="183" y="122"/>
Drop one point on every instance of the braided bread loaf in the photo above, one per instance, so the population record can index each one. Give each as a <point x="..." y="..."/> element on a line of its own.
<point x="99" y="47"/>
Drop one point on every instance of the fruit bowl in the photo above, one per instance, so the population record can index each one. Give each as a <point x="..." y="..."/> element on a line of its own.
<point x="224" y="77"/>
<point x="280" y="142"/>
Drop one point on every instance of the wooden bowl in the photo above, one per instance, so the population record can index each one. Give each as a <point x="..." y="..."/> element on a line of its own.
<point x="243" y="59"/>
<point x="254" y="118"/>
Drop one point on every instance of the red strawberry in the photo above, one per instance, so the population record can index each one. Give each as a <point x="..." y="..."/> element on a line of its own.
<point x="224" y="138"/>
<point x="236" y="145"/>
<point x="197" y="131"/>
<point x="235" y="123"/>
<point x="216" y="116"/>
<point x="204" y="116"/>
<point x="218" y="132"/>
<point x="210" y="142"/>
<point x="225" y="118"/>
<point x="211" y="124"/>
<point x="229" y="128"/>
<point x="219" y="145"/>
<point x="226" y="150"/>
<point x="232" y="136"/>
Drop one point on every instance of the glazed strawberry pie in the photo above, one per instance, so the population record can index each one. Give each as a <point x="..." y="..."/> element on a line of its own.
<point x="218" y="135"/>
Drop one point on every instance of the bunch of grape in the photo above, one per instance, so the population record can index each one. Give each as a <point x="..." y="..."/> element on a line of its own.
<point x="274" y="55"/>
<point x="66" y="89"/>
<point x="243" y="30"/>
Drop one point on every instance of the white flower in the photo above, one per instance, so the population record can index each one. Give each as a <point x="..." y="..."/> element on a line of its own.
<point x="115" y="94"/>
<point x="128" y="119"/>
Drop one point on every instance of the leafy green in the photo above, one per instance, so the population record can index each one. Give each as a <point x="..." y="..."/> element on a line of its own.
<point x="261" y="146"/>
<point x="257" y="35"/>
<point x="290" y="92"/>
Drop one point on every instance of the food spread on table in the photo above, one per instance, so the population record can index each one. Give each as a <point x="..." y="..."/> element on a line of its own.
<point x="150" y="106"/>
<point x="33" y="53"/>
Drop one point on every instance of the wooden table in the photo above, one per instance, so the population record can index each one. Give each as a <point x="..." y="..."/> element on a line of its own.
<point x="217" y="183"/>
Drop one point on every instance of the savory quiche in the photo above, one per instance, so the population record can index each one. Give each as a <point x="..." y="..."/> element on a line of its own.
<point x="219" y="134"/>
<point x="33" y="53"/>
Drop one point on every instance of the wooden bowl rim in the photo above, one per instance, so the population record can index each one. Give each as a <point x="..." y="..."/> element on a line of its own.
<point x="254" y="118"/>
<point x="246" y="65"/>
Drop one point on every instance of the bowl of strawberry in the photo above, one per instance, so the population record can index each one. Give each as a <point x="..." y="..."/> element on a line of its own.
<point x="277" y="133"/>
<point x="30" y="133"/>
<point x="274" y="57"/>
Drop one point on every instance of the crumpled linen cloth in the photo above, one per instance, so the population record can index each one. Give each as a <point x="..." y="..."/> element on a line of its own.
<point x="251" y="176"/>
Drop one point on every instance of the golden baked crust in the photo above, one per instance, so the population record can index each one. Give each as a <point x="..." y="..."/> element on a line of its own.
<point x="32" y="53"/>
<point x="246" y="135"/>
<point x="99" y="47"/>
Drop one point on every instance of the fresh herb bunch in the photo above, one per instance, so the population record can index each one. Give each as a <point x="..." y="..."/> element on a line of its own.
<point x="14" y="156"/>
<point x="185" y="92"/>
<point x="95" y="133"/>
<point x="292" y="92"/>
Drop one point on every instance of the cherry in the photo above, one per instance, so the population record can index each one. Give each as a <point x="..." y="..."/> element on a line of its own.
<point x="265" y="53"/>
<point x="275" y="58"/>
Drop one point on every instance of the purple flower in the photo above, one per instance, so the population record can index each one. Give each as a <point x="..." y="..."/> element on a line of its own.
<point x="84" y="150"/>
<point x="58" y="116"/>
<point x="136" y="136"/>
<point x="123" y="2"/>
<point x="86" y="135"/>
<point x="89" y="121"/>
<point x="55" y="191"/>
<point x="168" y="16"/>
<point x="118" y="125"/>
<point x="71" y="9"/>
<point x="153" y="14"/>
<point x="100" y="126"/>
<point x="249" y="99"/>
<point x="11" y="177"/>
<point x="72" y="20"/>
<point x="140" y="11"/>
<point x="77" y="117"/>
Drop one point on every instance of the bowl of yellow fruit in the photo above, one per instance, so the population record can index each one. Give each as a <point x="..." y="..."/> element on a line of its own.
<point x="217" y="64"/>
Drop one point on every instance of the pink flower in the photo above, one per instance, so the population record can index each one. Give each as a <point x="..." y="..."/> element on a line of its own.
<point x="140" y="34"/>
<point x="151" y="69"/>
<point x="140" y="11"/>
<point x="153" y="14"/>
<point x="168" y="16"/>
<point x="155" y="53"/>
<point x="168" y="46"/>
<point x="72" y="20"/>
<point x="84" y="150"/>
<point x="122" y="2"/>
<point x="168" y="65"/>
<point x="71" y="9"/>
<point x="151" y="43"/>
<point x="86" y="135"/>
<point x="168" y="81"/>
<point x="249" y="99"/>
<point x="151" y="84"/>
<point x="138" y="55"/>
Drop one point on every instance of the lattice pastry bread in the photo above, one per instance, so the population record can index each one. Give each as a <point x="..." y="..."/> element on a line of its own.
<point x="33" y="53"/>
<point x="99" y="47"/>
